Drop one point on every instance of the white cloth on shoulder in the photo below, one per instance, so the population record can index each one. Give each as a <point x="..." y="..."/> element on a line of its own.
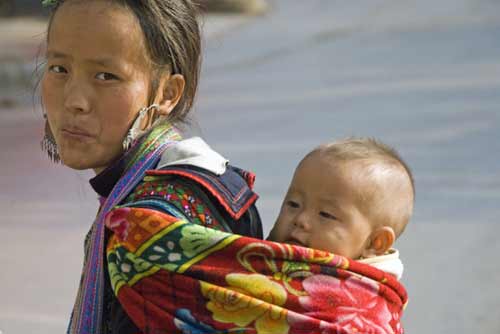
<point x="195" y="152"/>
<point x="389" y="263"/>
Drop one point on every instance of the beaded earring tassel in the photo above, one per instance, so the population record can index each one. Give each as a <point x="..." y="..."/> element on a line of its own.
<point x="48" y="143"/>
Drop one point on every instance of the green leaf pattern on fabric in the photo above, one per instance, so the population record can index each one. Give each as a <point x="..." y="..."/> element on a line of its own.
<point x="49" y="3"/>
<point x="164" y="253"/>
<point x="196" y="239"/>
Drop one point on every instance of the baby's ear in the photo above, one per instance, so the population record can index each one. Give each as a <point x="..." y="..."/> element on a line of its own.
<point x="381" y="240"/>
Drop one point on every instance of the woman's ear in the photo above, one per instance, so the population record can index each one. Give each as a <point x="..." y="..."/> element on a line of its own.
<point x="381" y="240"/>
<point x="170" y="91"/>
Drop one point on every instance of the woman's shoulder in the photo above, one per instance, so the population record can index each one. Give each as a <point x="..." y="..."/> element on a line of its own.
<point x="232" y="190"/>
<point x="224" y="202"/>
<point x="196" y="183"/>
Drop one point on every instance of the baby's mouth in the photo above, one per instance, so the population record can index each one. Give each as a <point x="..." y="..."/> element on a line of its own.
<point x="293" y="241"/>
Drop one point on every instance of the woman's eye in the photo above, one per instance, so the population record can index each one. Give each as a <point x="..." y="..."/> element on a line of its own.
<point x="327" y="215"/>
<point x="292" y="204"/>
<point x="57" y="69"/>
<point x="105" y="76"/>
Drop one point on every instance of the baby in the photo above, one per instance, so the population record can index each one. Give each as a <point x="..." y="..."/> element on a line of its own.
<point x="353" y="198"/>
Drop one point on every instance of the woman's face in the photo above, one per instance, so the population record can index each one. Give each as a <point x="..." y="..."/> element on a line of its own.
<point x="95" y="82"/>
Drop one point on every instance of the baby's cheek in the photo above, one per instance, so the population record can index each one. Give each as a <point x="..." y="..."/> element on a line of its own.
<point x="277" y="232"/>
<point x="328" y="240"/>
<point x="272" y="235"/>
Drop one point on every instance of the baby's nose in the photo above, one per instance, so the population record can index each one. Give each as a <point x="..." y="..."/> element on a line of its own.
<point x="302" y="221"/>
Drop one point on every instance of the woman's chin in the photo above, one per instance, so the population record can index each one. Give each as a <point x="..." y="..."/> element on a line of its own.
<point x="87" y="156"/>
<point x="77" y="160"/>
<point x="76" y="165"/>
<point x="83" y="162"/>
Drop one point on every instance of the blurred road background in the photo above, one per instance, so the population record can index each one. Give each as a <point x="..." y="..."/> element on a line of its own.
<point x="421" y="75"/>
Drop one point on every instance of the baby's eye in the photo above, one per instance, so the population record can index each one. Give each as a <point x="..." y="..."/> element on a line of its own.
<point x="292" y="204"/>
<point x="327" y="215"/>
<point x="105" y="76"/>
<point x="57" y="69"/>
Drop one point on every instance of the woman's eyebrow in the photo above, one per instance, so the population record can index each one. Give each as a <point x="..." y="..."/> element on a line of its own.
<point x="104" y="61"/>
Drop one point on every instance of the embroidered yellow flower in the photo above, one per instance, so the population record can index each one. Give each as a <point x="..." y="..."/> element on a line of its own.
<point x="248" y="298"/>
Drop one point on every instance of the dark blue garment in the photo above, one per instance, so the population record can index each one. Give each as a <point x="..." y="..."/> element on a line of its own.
<point x="229" y="196"/>
<point x="232" y="190"/>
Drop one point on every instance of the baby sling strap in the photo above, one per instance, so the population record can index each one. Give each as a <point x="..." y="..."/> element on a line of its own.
<point x="86" y="317"/>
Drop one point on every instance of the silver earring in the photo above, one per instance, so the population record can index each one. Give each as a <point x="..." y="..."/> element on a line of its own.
<point x="49" y="144"/>
<point x="135" y="130"/>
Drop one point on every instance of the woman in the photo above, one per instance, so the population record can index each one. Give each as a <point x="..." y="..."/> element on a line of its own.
<point x="119" y="74"/>
<point x="175" y="246"/>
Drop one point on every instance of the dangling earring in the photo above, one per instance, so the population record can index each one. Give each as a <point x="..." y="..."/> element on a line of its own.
<point x="49" y="144"/>
<point x="135" y="130"/>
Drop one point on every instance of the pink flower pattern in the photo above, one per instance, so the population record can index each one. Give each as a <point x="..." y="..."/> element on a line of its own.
<point x="116" y="221"/>
<point x="353" y="304"/>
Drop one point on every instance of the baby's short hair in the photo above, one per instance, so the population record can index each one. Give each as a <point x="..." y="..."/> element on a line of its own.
<point x="389" y="195"/>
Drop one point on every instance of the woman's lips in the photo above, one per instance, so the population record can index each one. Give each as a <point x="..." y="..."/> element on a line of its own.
<point x="76" y="133"/>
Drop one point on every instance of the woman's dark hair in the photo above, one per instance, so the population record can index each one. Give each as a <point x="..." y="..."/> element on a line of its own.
<point x="173" y="39"/>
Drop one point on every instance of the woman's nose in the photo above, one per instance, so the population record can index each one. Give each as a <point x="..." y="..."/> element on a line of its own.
<point x="77" y="96"/>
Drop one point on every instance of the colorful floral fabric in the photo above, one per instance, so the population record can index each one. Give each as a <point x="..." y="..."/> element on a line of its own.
<point x="172" y="276"/>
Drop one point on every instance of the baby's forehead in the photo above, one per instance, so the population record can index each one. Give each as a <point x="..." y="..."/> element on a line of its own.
<point x="333" y="176"/>
<point x="364" y="178"/>
<point x="353" y="164"/>
<point x="338" y="165"/>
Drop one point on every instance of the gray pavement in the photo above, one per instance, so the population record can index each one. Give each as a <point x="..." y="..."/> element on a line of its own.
<point x="423" y="76"/>
<point x="21" y="48"/>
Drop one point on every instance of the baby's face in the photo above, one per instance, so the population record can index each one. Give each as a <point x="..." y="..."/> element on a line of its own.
<point x="321" y="209"/>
